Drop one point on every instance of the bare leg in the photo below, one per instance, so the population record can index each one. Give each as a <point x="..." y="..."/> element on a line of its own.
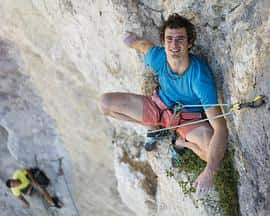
<point x="43" y="192"/>
<point x="123" y="117"/>
<point x="123" y="106"/>
<point x="195" y="148"/>
<point x="198" y="141"/>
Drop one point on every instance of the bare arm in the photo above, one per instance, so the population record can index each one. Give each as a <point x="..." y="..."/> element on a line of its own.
<point x="218" y="143"/>
<point x="217" y="148"/>
<point x="21" y="197"/>
<point x="134" y="41"/>
<point x="29" y="190"/>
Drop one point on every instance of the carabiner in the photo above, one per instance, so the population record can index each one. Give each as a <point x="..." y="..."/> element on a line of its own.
<point x="256" y="102"/>
<point x="178" y="107"/>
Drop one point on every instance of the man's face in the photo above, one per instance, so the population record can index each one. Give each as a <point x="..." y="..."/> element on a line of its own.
<point x="15" y="183"/>
<point x="176" y="43"/>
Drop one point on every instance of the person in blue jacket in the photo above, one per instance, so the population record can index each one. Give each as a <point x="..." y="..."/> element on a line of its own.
<point x="183" y="78"/>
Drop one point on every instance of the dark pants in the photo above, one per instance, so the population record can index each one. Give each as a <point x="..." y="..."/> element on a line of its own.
<point x="39" y="176"/>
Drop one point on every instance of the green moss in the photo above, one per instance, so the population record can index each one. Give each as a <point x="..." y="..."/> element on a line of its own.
<point x="225" y="182"/>
<point x="169" y="172"/>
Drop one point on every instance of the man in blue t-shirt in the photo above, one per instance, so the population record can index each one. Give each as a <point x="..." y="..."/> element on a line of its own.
<point x="183" y="78"/>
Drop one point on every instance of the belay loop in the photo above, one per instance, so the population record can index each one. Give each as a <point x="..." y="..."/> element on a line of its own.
<point x="177" y="107"/>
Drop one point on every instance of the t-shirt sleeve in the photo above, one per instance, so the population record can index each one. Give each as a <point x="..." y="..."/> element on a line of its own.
<point x="154" y="58"/>
<point x="20" y="174"/>
<point x="205" y="87"/>
<point x="16" y="191"/>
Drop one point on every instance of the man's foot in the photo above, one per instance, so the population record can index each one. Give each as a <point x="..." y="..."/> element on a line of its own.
<point x="57" y="202"/>
<point x="177" y="150"/>
<point x="152" y="138"/>
<point x="180" y="145"/>
<point x="180" y="142"/>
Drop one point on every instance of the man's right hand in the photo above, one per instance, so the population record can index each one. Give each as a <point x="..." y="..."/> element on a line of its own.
<point x="130" y="38"/>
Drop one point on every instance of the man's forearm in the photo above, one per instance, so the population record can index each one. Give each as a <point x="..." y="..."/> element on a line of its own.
<point x="141" y="45"/>
<point x="218" y="142"/>
<point x="134" y="41"/>
<point x="217" y="148"/>
<point x="29" y="190"/>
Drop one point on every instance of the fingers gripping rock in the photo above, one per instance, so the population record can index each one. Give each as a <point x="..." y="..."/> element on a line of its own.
<point x="130" y="38"/>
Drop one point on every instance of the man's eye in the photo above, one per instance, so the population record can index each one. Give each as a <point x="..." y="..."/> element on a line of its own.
<point x="180" y="39"/>
<point x="177" y="39"/>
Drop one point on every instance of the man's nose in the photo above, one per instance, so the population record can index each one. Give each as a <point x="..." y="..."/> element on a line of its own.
<point x="174" y="42"/>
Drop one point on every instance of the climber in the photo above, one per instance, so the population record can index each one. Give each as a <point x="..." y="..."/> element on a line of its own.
<point x="183" y="78"/>
<point x="24" y="181"/>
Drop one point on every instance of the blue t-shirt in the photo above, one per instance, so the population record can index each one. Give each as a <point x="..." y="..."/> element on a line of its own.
<point x="194" y="86"/>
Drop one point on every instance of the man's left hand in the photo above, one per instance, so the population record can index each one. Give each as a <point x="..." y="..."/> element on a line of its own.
<point x="204" y="182"/>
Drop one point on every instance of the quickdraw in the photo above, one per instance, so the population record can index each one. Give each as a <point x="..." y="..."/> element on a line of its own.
<point x="254" y="103"/>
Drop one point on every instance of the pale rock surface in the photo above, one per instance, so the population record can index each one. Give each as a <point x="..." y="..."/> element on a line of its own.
<point x="57" y="57"/>
<point x="49" y="108"/>
<point x="136" y="179"/>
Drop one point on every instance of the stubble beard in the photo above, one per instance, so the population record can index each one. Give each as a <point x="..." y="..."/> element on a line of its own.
<point x="179" y="57"/>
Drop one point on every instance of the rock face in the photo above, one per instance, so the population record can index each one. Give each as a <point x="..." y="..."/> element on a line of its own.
<point x="58" y="57"/>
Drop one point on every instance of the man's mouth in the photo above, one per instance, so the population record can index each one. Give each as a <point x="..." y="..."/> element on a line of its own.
<point x="175" y="51"/>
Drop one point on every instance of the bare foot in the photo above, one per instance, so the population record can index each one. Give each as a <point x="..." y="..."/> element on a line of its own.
<point x="180" y="142"/>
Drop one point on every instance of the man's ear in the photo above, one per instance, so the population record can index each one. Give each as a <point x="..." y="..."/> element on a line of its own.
<point x="162" y="42"/>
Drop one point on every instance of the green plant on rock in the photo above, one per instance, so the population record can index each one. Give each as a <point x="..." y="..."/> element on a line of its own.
<point x="186" y="186"/>
<point x="169" y="172"/>
<point x="225" y="182"/>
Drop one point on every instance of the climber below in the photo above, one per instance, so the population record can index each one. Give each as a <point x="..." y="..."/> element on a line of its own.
<point x="24" y="181"/>
<point x="183" y="78"/>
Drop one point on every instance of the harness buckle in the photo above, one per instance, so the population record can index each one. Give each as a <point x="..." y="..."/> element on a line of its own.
<point x="177" y="107"/>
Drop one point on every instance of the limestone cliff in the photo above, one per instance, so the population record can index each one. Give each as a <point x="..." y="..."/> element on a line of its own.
<point x="56" y="59"/>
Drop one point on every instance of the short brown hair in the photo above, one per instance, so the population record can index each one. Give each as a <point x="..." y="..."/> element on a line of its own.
<point x="176" y="21"/>
<point x="8" y="183"/>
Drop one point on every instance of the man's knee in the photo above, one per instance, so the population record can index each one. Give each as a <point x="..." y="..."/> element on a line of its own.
<point x="105" y="103"/>
<point x="201" y="136"/>
<point x="207" y="133"/>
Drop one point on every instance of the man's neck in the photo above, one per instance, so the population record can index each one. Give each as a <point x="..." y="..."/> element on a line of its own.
<point x="179" y="65"/>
